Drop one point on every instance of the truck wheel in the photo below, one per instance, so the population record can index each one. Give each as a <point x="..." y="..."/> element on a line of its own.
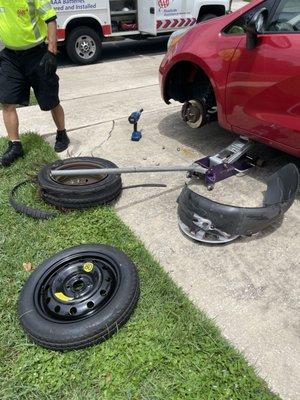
<point x="84" y="45"/>
<point x="206" y="17"/>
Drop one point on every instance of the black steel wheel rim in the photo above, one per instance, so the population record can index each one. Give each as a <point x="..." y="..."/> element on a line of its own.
<point x="79" y="180"/>
<point x="77" y="287"/>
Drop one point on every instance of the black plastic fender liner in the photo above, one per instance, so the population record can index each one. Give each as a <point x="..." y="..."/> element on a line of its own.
<point x="208" y="221"/>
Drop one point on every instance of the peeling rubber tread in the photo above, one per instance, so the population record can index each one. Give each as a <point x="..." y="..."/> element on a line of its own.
<point x="27" y="210"/>
<point x="79" y="197"/>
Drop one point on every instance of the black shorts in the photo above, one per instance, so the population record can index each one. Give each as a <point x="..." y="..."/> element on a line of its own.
<point x="19" y="71"/>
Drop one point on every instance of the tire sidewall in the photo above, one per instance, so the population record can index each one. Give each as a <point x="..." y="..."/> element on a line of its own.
<point x="47" y="183"/>
<point x="41" y="328"/>
<point x="71" y="41"/>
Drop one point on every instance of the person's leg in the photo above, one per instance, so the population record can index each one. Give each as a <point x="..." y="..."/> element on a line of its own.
<point x="46" y="88"/>
<point x="14" y="90"/>
<point x="58" y="116"/>
<point x="11" y="122"/>
<point x="62" y="140"/>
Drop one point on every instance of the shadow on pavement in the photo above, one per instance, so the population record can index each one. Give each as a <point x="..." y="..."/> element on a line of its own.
<point x="123" y="49"/>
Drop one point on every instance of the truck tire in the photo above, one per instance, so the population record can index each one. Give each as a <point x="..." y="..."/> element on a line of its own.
<point x="79" y="297"/>
<point x="84" y="45"/>
<point x="206" y="17"/>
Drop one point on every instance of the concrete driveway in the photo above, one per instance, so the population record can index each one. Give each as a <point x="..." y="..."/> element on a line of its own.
<point x="249" y="287"/>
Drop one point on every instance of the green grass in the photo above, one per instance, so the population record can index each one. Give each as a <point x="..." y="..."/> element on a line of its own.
<point x="169" y="350"/>
<point x="32" y="101"/>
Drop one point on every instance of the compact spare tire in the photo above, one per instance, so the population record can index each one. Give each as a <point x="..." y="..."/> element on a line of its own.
<point x="79" y="297"/>
<point x="79" y="192"/>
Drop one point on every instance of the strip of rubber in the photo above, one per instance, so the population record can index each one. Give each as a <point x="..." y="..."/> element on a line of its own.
<point x="27" y="210"/>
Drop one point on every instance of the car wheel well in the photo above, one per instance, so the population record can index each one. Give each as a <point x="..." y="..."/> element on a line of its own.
<point x="212" y="9"/>
<point x="187" y="81"/>
<point x="80" y="22"/>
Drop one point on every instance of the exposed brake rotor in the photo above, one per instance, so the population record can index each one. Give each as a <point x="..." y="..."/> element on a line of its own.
<point x="194" y="113"/>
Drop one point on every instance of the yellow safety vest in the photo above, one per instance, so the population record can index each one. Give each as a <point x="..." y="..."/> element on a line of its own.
<point x="22" y="22"/>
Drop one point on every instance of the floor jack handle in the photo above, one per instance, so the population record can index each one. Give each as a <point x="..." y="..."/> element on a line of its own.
<point x="127" y="170"/>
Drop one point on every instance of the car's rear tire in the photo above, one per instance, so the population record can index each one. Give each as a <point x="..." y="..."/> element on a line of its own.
<point x="84" y="45"/>
<point x="79" y="297"/>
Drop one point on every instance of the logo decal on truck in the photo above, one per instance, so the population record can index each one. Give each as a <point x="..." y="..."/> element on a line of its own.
<point x="163" y="3"/>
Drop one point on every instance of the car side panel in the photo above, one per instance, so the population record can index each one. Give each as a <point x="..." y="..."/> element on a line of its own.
<point x="263" y="91"/>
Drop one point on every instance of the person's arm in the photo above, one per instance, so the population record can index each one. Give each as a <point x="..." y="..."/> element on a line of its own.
<point x="49" y="61"/>
<point x="52" y="36"/>
<point x="48" y="15"/>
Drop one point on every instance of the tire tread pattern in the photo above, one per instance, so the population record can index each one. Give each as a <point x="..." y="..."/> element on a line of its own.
<point x="79" y="197"/>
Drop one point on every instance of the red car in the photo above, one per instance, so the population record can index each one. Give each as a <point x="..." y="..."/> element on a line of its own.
<point x="245" y="65"/>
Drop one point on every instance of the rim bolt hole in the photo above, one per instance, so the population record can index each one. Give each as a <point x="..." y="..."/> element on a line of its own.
<point x="90" y="304"/>
<point x="48" y="300"/>
<point x="103" y="292"/>
<point x="73" y="311"/>
<point x="108" y="279"/>
<point x="57" y="309"/>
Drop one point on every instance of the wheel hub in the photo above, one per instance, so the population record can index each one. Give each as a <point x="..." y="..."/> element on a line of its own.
<point x="80" y="180"/>
<point x="77" y="289"/>
<point x="85" y="47"/>
<point x="193" y="113"/>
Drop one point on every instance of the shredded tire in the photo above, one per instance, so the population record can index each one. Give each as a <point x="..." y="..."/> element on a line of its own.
<point x="27" y="210"/>
<point x="62" y="194"/>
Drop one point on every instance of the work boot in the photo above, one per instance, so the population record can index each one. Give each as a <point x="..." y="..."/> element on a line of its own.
<point x="62" y="141"/>
<point x="14" y="151"/>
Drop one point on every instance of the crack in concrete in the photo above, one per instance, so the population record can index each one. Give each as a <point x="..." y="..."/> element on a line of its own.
<point x="106" y="139"/>
<point x="110" y="92"/>
<point x="46" y="135"/>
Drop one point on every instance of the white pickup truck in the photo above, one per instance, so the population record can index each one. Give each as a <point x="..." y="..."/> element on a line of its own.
<point x="84" y="24"/>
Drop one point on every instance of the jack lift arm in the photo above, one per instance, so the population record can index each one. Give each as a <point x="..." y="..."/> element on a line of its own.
<point x="228" y="162"/>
